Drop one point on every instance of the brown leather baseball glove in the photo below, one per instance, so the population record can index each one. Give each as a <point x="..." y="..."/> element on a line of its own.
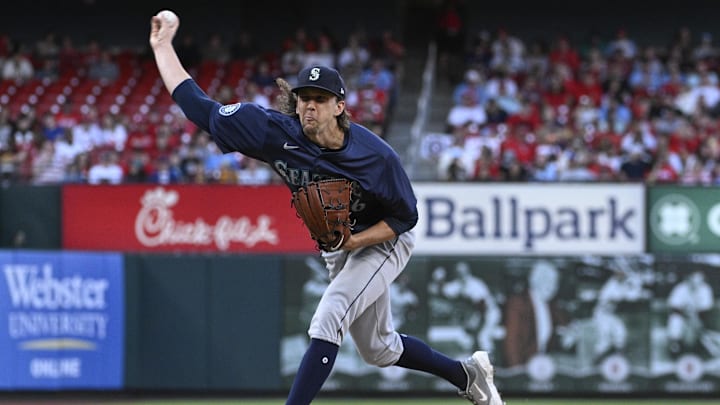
<point x="324" y="207"/>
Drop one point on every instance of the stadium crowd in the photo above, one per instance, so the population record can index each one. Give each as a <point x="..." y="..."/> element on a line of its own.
<point x="523" y="109"/>
<point x="599" y="110"/>
<point x="97" y="114"/>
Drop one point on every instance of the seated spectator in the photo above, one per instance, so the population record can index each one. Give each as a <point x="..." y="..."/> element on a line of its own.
<point x="18" y="67"/>
<point x="263" y="75"/>
<point x="505" y="93"/>
<point x="9" y="162"/>
<point x="699" y="99"/>
<point x="91" y="54"/>
<point x="47" y="71"/>
<point x="508" y="53"/>
<point x="473" y="83"/>
<point x="113" y="133"/>
<point x="545" y="169"/>
<point x="227" y="172"/>
<point x="562" y="53"/>
<point x="215" y="50"/>
<point x="67" y="116"/>
<point x="586" y="113"/>
<point x="495" y="114"/>
<point x="453" y="162"/>
<point x="253" y="172"/>
<point x="487" y="166"/>
<point x="370" y="109"/>
<point x="66" y="147"/>
<point x="639" y="137"/>
<point x="527" y="115"/>
<point x="324" y="55"/>
<point x="105" y="69"/>
<point x="6" y="129"/>
<point x="137" y="167"/>
<point x="636" y="165"/>
<point x="613" y="111"/>
<point x="511" y="169"/>
<point x="106" y="170"/>
<point x="537" y="62"/>
<point x="623" y="44"/>
<point x="501" y="82"/>
<point x="588" y="86"/>
<point x="578" y="169"/>
<point x="78" y="170"/>
<point x="696" y="173"/>
<point x="292" y="61"/>
<point x="24" y="137"/>
<point x="457" y="171"/>
<point x="87" y="132"/>
<point x="50" y="129"/>
<point x="662" y="170"/>
<point x="48" y="166"/>
<point x="469" y="111"/>
<point x="377" y="75"/>
<point x="520" y="143"/>
<point x="166" y="170"/>
<point x="352" y="59"/>
<point x="254" y="94"/>
<point x="705" y="50"/>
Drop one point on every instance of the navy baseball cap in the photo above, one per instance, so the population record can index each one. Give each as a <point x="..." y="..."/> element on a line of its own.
<point x="321" y="77"/>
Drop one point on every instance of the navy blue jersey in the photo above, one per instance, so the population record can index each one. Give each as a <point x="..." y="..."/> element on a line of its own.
<point x="382" y="190"/>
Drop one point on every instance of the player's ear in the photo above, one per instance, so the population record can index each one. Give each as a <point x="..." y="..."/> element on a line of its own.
<point x="339" y="107"/>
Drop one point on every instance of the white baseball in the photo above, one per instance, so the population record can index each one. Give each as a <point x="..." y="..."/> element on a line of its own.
<point x="169" y="17"/>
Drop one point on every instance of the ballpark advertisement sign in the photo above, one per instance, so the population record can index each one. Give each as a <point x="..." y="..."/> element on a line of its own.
<point x="530" y="219"/>
<point x="684" y="219"/>
<point x="182" y="218"/>
<point x="62" y="320"/>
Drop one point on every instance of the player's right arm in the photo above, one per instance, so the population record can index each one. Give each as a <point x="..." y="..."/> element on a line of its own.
<point x="194" y="102"/>
<point x="171" y="70"/>
<point x="230" y="133"/>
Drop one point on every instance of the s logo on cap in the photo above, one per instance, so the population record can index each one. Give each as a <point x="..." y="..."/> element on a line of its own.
<point x="314" y="74"/>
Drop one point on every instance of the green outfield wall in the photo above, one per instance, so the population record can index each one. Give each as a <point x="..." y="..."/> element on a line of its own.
<point x="631" y="323"/>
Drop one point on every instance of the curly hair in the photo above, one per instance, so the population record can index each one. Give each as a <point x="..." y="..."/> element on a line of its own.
<point x="287" y="104"/>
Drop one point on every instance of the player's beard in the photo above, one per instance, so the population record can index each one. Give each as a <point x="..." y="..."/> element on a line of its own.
<point x="311" y="129"/>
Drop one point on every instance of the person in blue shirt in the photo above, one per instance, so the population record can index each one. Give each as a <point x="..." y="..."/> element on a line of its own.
<point x="310" y="137"/>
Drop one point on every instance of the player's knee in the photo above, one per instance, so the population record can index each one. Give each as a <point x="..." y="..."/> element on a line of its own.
<point x="326" y="328"/>
<point x="384" y="358"/>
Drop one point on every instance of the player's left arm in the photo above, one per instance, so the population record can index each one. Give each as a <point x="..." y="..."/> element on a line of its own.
<point x="378" y="233"/>
<point x="398" y="196"/>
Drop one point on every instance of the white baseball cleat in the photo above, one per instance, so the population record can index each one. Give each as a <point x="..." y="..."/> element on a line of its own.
<point x="480" y="388"/>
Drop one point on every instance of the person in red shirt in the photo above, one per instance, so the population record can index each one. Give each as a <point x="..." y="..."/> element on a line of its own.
<point x="563" y="53"/>
<point x="521" y="143"/>
<point x="587" y="85"/>
<point x="662" y="171"/>
<point x="528" y="115"/>
<point x="556" y="93"/>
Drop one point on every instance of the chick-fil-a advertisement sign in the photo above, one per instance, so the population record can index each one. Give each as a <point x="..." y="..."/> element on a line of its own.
<point x="182" y="218"/>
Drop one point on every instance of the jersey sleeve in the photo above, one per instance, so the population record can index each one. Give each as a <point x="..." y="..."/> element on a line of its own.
<point x="240" y="127"/>
<point x="399" y="196"/>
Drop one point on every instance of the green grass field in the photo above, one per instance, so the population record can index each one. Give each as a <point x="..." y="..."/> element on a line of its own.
<point x="69" y="400"/>
<point x="437" y="401"/>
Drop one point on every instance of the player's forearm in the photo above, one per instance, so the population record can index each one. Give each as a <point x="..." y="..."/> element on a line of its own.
<point x="378" y="233"/>
<point x="171" y="70"/>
